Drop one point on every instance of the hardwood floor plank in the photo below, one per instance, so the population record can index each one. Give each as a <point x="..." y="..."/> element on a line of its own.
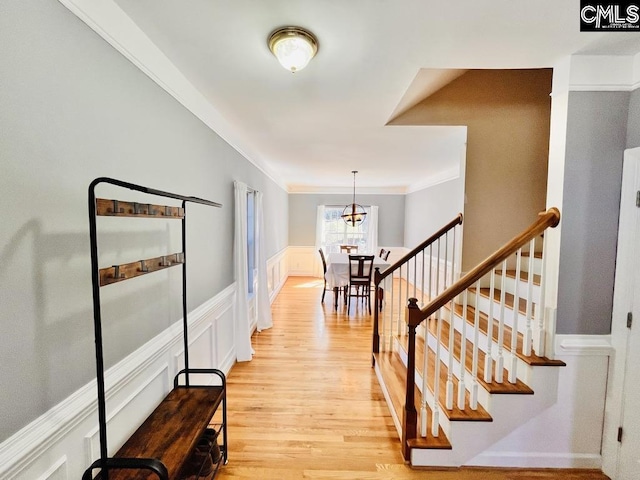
<point x="308" y="406"/>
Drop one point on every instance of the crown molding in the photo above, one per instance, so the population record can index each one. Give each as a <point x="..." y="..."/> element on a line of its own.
<point x="109" y="21"/>
<point x="328" y="190"/>
<point x="604" y="73"/>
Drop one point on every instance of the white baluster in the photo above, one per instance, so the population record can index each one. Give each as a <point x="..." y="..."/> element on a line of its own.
<point x="436" y="377"/>
<point x="463" y="353"/>
<point x="476" y="346"/>
<point x="415" y="273"/>
<point x="422" y="283"/>
<point x="526" y="344"/>
<point x="401" y="305"/>
<point x="488" y="360"/>
<point x="430" y="272"/>
<point x="541" y="310"/>
<point x="499" y="374"/>
<point x="516" y="316"/>
<point x="425" y="379"/>
<point x="391" y="317"/>
<point x="449" y="384"/>
<point x="423" y="419"/>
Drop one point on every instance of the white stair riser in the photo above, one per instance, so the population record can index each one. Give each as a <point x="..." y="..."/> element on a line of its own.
<point x="537" y="265"/>
<point x="523" y="287"/>
<point x="483" y="303"/>
<point x="472" y="438"/>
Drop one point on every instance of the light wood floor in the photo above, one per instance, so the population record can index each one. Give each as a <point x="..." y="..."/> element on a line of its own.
<point x="309" y="406"/>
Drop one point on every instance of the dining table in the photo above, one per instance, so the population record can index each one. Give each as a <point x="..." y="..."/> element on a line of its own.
<point x="338" y="271"/>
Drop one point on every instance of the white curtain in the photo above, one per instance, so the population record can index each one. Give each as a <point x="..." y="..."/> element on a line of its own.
<point x="372" y="231"/>
<point x="263" y="304"/>
<point x="240" y="263"/>
<point x="319" y="226"/>
<point x="319" y="238"/>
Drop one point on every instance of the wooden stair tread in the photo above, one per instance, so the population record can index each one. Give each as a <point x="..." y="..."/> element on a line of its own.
<point x="171" y="432"/>
<point x="493" y="387"/>
<point x="535" y="254"/>
<point x="394" y="375"/>
<point x="532" y="359"/>
<point x="455" y="414"/>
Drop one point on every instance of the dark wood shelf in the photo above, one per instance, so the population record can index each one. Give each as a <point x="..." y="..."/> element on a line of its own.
<point x="116" y="208"/>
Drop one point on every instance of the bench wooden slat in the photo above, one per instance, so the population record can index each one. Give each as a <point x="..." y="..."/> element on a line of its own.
<point x="171" y="432"/>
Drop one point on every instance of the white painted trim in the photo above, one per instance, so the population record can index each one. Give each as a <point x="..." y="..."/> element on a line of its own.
<point x="277" y="264"/>
<point x="25" y="447"/>
<point x="602" y="73"/>
<point x="592" y="345"/>
<point x="538" y="460"/>
<point x="59" y="465"/>
<point x="331" y="190"/>
<point x="109" y="21"/>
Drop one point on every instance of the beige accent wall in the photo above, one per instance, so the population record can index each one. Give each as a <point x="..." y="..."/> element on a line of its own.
<point x="507" y="114"/>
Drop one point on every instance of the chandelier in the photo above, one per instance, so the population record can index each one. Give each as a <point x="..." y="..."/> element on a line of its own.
<point x="354" y="214"/>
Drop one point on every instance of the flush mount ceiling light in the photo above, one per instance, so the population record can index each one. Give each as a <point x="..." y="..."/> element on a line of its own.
<point x="294" y="47"/>
<point x="354" y="214"/>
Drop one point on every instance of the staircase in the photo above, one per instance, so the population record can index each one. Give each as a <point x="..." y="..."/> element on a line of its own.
<point x="464" y="361"/>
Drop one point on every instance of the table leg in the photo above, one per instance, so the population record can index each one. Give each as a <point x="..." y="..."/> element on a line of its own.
<point x="335" y="297"/>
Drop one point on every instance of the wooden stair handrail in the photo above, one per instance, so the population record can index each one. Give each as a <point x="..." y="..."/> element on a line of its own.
<point x="547" y="219"/>
<point x="392" y="268"/>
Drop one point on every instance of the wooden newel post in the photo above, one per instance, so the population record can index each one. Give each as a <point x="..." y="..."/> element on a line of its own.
<point x="410" y="415"/>
<point x="376" y="329"/>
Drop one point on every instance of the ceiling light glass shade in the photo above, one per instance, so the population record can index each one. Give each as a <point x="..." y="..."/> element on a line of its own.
<point x="294" y="47"/>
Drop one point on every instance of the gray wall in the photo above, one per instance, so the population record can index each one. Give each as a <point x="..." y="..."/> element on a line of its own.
<point x="303" y="208"/>
<point x="429" y="209"/>
<point x="72" y="109"/>
<point x="596" y="139"/>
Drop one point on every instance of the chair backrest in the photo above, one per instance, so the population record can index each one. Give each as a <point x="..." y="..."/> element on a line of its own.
<point x="384" y="254"/>
<point x="324" y="261"/>
<point x="360" y="268"/>
<point x="348" y="248"/>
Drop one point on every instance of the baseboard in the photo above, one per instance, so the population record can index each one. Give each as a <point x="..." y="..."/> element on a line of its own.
<point x="537" y="460"/>
<point x="54" y="446"/>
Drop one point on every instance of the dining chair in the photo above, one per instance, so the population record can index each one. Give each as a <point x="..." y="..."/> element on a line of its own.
<point x="324" y="276"/>
<point x="360" y="270"/>
<point x="348" y="248"/>
<point x="384" y="254"/>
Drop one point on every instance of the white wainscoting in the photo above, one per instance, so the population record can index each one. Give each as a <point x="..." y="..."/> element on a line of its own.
<point x="305" y="261"/>
<point x="277" y="272"/>
<point x="63" y="442"/>
<point x="569" y="433"/>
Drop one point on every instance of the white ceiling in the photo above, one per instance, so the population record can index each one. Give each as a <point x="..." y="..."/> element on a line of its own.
<point x="376" y="58"/>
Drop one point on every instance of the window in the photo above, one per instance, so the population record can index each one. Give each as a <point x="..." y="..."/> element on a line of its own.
<point x="335" y="232"/>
